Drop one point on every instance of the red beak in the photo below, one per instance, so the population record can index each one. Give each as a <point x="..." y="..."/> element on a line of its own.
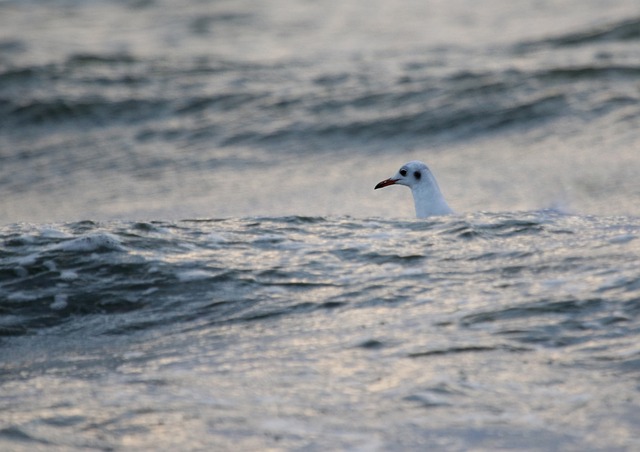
<point x="385" y="183"/>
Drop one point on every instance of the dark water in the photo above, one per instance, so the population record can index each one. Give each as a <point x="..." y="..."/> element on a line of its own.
<point x="298" y="309"/>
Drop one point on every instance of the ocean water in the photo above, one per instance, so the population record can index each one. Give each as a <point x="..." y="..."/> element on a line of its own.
<point x="509" y="331"/>
<point x="192" y="255"/>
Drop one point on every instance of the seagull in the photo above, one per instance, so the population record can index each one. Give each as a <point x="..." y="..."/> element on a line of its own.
<point x="426" y="194"/>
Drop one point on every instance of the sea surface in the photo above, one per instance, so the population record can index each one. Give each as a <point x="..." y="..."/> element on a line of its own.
<point x="192" y="255"/>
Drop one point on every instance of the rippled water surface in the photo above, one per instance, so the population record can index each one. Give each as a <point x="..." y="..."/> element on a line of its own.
<point x="508" y="331"/>
<point x="298" y="309"/>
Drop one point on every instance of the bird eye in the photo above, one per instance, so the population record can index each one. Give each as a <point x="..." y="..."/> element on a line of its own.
<point x="417" y="175"/>
<point x="403" y="172"/>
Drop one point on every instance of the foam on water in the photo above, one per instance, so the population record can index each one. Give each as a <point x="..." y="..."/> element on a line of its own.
<point x="90" y="243"/>
<point x="59" y="302"/>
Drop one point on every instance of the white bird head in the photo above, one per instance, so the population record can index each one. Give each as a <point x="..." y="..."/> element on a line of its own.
<point x="427" y="197"/>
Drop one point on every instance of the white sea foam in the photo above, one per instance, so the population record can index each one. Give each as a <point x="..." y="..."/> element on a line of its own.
<point x="68" y="275"/>
<point x="91" y="242"/>
<point x="216" y="238"/>
<point x="59" y="302"/>
<point x="28" y="260"/>
<point x="192" y="275"/>
<point x="53" y="233"/>
<point x="20" y="297"/>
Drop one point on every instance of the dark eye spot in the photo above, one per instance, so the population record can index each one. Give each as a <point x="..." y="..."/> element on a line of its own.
<point x="403" y="172"/>
<point x="417" y="175"/>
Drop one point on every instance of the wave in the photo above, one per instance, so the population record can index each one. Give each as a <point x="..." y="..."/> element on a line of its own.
<point x="122" y="276"/>
<point x="620" y="31"/>
<point x="91" y="90"/>
<point x="93" y="111"/>
<point x="626" y="30"/>
<point x="460" y="106"/>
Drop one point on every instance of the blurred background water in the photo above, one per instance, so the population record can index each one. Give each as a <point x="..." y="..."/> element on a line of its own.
<point x="151" y="109"/>
<point x="304" y="310"/>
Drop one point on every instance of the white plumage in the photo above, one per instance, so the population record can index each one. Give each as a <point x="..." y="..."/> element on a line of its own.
<point x="427" y="196"/>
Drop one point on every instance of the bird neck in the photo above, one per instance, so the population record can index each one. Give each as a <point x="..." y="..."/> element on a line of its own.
<point x="428" y="199"/>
